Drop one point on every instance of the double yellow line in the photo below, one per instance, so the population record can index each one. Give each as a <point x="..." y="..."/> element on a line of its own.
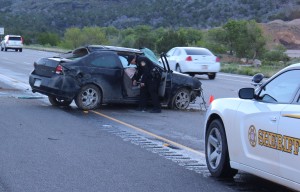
<point x="168" y="142"/>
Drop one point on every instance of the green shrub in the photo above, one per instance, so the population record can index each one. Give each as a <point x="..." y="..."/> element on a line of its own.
<point x="278" y="54"/>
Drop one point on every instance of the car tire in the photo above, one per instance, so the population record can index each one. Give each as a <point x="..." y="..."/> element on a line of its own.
<point x="178" y="69"/>
<point x="5" y="49"/>
<point x="59" y="102"/>
<point x="216" y="151"/>
<point x="211" y="75"/>
<point x="2" y="49"/>
<point x="181" y="99"/>
<point x="16" y="50"/>
<point x="89" y="97"/>
<point x="20" y="50"/>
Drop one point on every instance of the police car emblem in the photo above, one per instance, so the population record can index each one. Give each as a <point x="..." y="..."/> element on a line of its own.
<point x="252" y="136"/>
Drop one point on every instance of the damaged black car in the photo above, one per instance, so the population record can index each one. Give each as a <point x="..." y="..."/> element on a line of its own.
<point x="96" y="75"/>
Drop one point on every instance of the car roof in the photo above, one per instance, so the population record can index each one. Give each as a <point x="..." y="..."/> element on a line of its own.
<point x="114" y="48"/>
<point x="290" y="67"/>
<point x="192" y="48"/>
<point x="14" y="35"/>
<point x="296" y="65"/>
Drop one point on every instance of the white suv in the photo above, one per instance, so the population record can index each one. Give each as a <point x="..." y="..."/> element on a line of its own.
<point x="12" y="42"/>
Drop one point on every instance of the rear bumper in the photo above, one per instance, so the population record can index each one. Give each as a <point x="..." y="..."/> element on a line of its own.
<point x="201" y="68"/>
<point x="13" y="46"/>
<point x="59" y="86"/>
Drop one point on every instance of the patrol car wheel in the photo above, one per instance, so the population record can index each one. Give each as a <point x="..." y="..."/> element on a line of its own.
<point x="89" y="97"/>
<point x="181" y="99"/>
<point x="217" y="156"/>
<point x="59" y="102"/>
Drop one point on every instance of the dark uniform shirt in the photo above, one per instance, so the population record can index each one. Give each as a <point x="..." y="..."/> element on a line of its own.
<point x="144" y="68"/>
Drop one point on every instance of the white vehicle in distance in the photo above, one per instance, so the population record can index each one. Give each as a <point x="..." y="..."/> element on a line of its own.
<point x="12" y="42"/>
<point x="259" y="131"/>
<point x="194" y="60"/>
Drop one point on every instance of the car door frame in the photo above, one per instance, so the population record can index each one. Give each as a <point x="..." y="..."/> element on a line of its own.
<point x="109" y="80"/>
<point x="289" y="133"/>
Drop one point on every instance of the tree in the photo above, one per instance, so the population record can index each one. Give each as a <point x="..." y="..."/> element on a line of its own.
<point x="93" y="35"/>
<point x="192" y="36"/>
<point x="144" y="37"/>
<point x="72" y="38"/>
<point x="214" y="40"/>
<point x="170" y="39"/>
<point x="48" y="38"/>
<point x="244" y="38"/>
<point x="75" y="37"/>
<point x="232" y="30"/>
<point x="256" y="40"/>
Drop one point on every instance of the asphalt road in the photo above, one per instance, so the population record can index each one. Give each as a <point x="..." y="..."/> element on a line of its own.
<point x="114" y="148"/>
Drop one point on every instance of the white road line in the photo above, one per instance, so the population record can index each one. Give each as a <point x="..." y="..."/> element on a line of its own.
<point x="234" y="76"/>
<point x="240" y="81"/>
<point x="14" y="82"/>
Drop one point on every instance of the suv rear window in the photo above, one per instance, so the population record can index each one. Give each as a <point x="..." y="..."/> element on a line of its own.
<point x="15" y="38"/>
<point x="197" y="52"/>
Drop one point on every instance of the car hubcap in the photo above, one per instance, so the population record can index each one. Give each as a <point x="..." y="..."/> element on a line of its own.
<point x="182" y="100"/>
<point x="214" y="148"/>
<point x="89" y="97"/>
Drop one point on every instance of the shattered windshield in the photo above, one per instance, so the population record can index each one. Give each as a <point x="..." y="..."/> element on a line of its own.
<point x="148" y="53"/>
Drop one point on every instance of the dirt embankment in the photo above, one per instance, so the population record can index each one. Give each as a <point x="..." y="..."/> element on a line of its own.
<point x="286" y="33"/>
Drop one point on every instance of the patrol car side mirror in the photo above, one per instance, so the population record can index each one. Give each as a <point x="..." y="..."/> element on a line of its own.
<point x="246" y="93"/>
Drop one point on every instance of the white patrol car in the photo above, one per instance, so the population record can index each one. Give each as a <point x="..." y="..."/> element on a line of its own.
<point x="259" y="132"/>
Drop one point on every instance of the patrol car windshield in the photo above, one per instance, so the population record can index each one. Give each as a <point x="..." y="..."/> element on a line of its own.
<point x="148" y="53"/>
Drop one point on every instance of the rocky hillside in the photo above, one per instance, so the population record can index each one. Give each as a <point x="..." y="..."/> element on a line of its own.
<point x="30" y="17"/>
<point x="56" y="15"/>
<point x="285" y="33"/>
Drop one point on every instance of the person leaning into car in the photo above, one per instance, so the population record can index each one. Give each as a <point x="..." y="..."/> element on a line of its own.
<point x="149" y="82"/>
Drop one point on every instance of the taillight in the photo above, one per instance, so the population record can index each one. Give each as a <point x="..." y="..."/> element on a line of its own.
<point x="22" y="41"/>
<point x="218" y="59"/>
<point x="189" y="58"/>
<point x="59" y="70"/>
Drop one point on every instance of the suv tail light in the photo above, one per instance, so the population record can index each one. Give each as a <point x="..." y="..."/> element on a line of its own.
<point x="22" y="41"/>
<point x="189" y="58"/>
<point x="218" y="59"/>
<point x="59" y="70"/>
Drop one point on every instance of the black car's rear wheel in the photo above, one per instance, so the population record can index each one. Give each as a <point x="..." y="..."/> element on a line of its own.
<point x="217" y="156"/>
<point x="59" y="102"/>
<point x="181" y="99"/>
<point x="89" y="97"/>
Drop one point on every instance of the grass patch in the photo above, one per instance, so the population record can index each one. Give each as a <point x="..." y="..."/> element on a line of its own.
<point x="46" y="48"/>
<point x="268" y="69"/>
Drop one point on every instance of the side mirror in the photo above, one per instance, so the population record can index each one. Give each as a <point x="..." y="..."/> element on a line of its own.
<point x="246" y="93"/>
<point x="257" y="78"/>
